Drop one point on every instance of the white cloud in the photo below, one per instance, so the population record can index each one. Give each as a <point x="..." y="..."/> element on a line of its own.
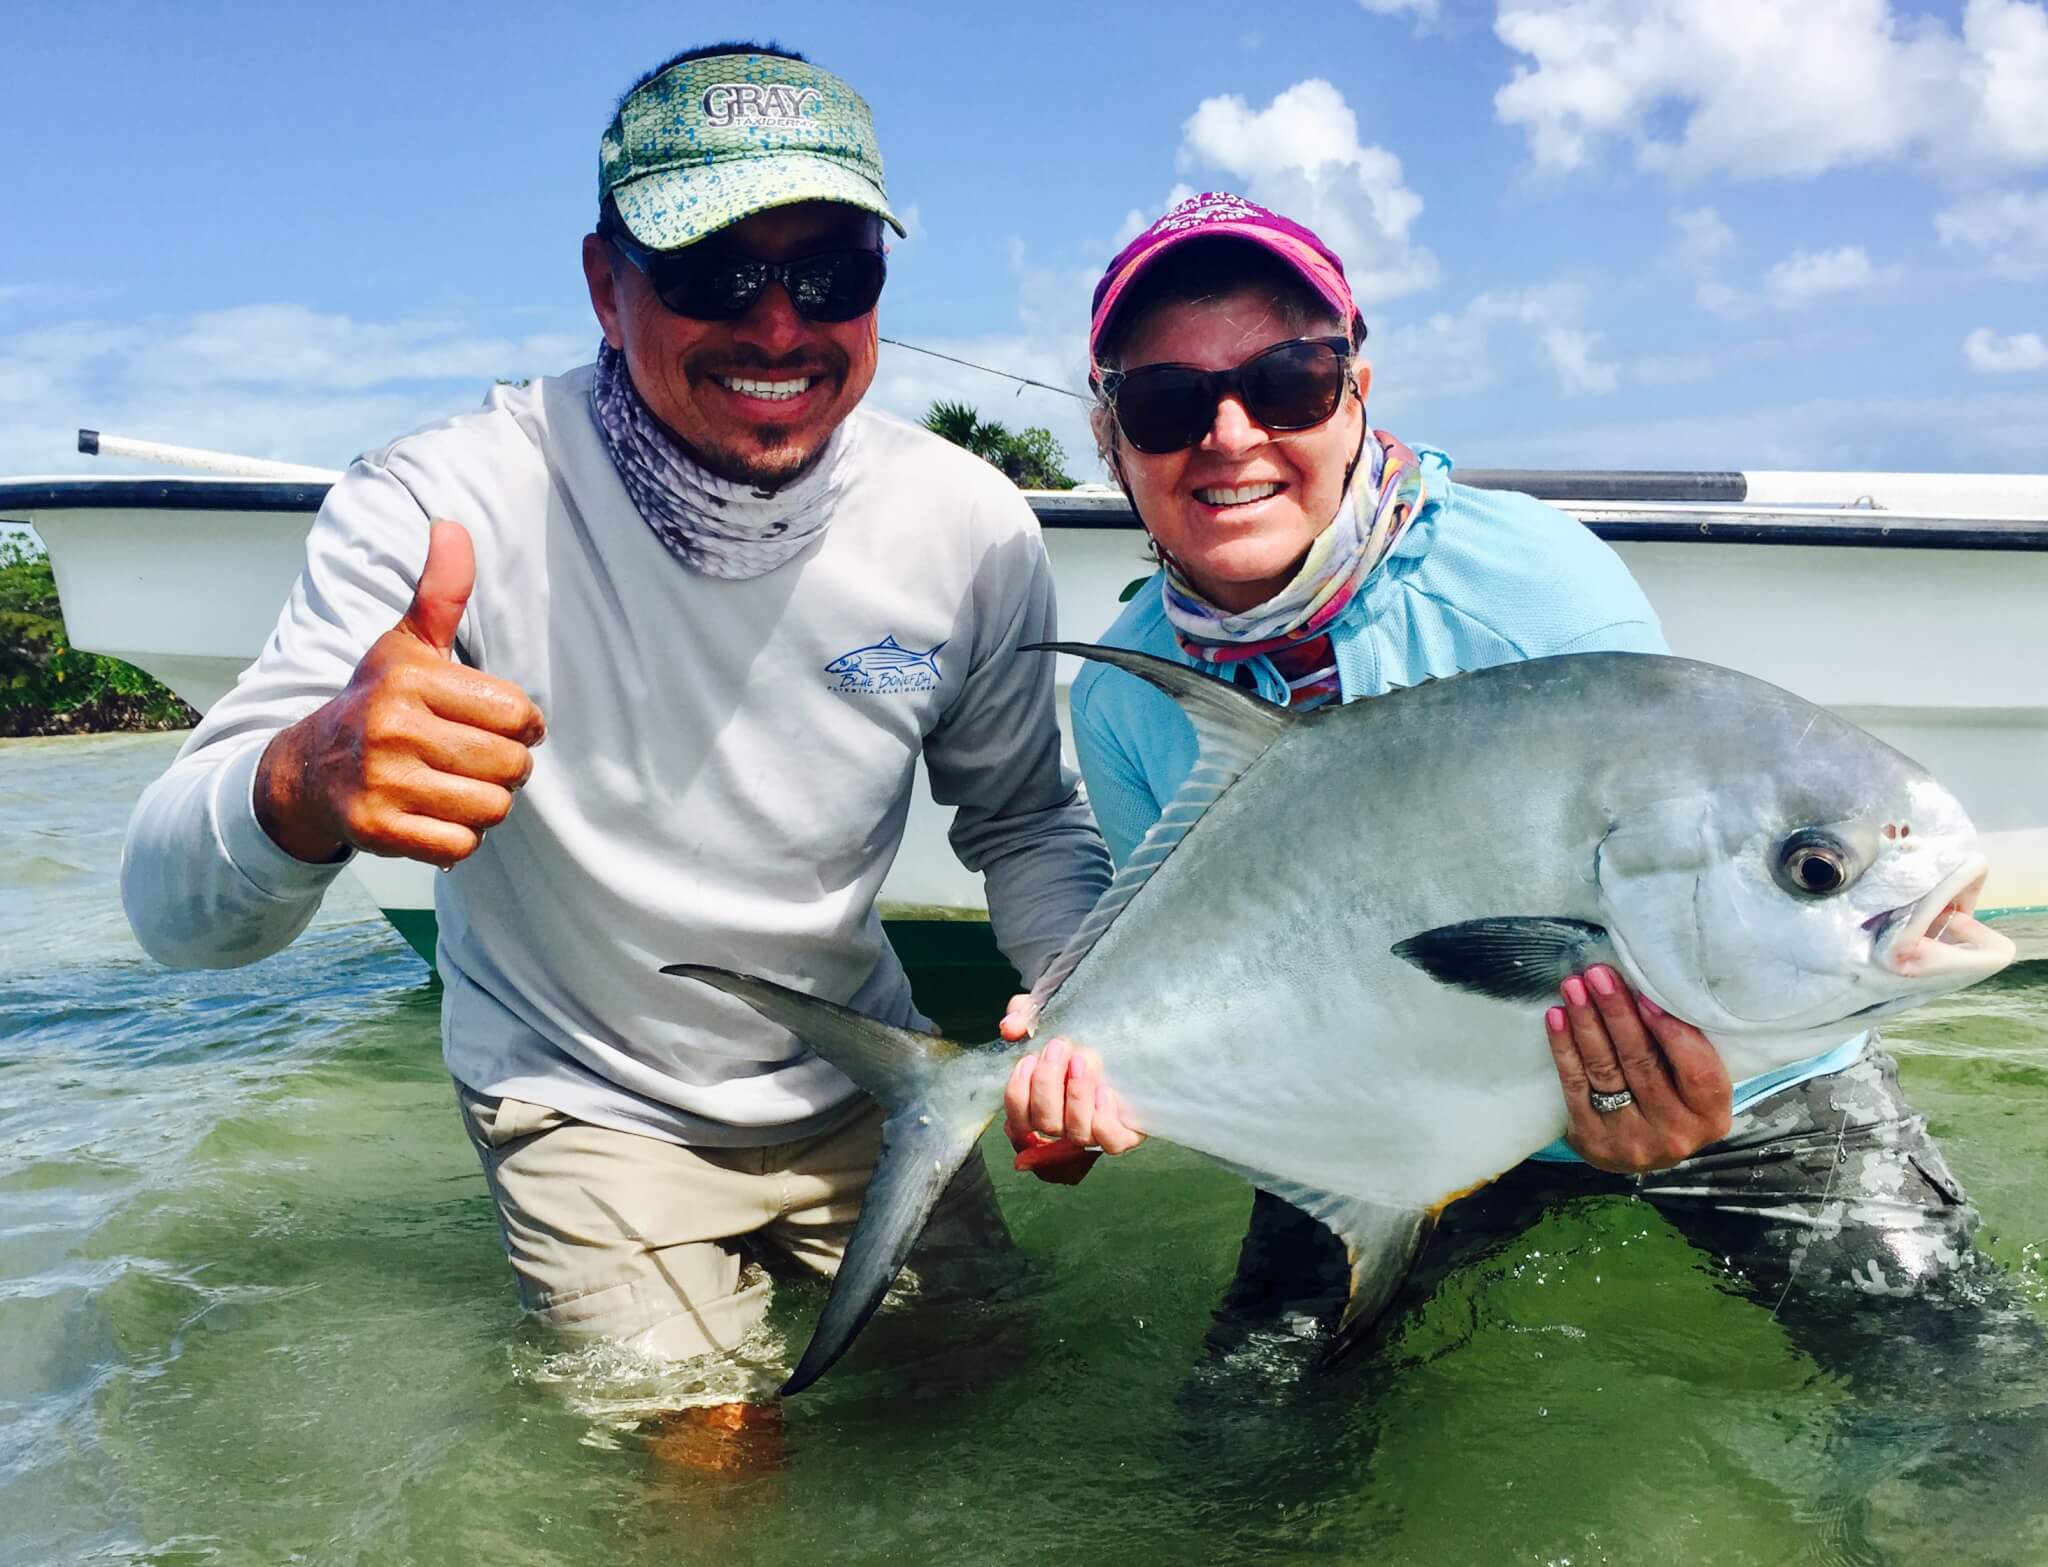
<point x="289" y="345"/>
<point x="2007" y="76"/>
<point x="1300" y="155"/>
<point x="1703" y="239"/>
<point x="1774" y="87"/>
<point x="1990" y="354"/>
<point x="1572" y="353"/>
<point x="2009" y="227"/>
<point x="1796" y="282"/>
<point x="1502" y="331"/>
<point x="266" y="380"/>
<point x="1805" y="276"/>
<point x="1724" y="299"/>
<point x="1528" y="337"/>
<point x="1425" y="10"/>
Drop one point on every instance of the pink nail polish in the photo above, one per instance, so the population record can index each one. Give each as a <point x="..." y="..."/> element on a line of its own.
<point x="1602" y="980"/>
<point x="1649" y="1006"/>
<point x="1554" y="1020"/>
<point x="1575" y="991"/>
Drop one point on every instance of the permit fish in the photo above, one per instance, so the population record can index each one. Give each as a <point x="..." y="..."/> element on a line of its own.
<point x="1326" y="964"/>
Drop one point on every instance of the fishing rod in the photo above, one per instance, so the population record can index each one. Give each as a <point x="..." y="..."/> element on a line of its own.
<point x="94" y="444"/>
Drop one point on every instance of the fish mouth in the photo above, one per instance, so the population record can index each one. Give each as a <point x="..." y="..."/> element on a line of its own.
<point x="1939" y="937"/>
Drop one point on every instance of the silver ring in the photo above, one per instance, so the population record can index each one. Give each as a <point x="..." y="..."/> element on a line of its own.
<point x="1607" y="1104"/>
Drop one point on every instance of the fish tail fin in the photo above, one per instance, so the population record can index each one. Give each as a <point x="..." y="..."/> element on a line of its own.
<point x="939" y="1097"/>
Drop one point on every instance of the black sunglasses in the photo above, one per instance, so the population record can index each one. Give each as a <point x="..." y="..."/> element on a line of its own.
<point x="722" y="285"/>
<point x="1294" y="385"/>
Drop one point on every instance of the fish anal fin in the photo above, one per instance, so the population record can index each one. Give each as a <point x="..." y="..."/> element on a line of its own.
<point x="1510" y="957"/>
<point x="1380" y="1240"/>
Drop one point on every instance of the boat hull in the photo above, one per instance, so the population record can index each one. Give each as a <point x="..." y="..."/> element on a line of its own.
<point x="1937" y="651"/>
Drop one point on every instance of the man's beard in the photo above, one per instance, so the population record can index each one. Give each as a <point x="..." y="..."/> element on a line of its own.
<point x="766" y="467"/>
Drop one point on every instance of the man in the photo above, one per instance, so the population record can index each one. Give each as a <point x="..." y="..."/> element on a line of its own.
<point x="652" y="562"/>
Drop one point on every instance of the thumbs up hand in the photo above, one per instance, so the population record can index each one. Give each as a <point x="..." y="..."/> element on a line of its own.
<point x="417" y="756"/>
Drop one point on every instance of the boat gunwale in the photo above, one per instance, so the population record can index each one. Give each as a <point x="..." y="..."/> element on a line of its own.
<point x="1677" y="522"/>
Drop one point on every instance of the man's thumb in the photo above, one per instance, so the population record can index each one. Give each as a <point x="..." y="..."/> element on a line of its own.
<point x="446" y="581"/>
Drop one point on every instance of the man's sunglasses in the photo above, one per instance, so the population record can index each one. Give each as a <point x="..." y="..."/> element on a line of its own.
<point x="721" y="285"/>
<point x="1294" y="385"/>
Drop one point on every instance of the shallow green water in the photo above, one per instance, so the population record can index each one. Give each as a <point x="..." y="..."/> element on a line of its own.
<point x="252" y="1310"/>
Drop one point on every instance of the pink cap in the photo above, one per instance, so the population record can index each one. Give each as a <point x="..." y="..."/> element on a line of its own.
<point x="1220" y="215"/>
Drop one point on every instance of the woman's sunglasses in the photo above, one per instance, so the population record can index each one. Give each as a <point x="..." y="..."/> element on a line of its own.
<point x="722" y="285"/>
<point x="1294" y="385"/>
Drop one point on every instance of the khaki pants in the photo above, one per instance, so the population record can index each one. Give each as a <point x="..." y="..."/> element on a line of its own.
<point x="630" y="1238"/>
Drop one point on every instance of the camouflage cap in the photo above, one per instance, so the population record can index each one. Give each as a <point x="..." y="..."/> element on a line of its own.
<point x="714" y="140"/>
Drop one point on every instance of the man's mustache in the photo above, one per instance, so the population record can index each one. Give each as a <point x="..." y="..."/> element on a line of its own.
<point x="744" y="361"/>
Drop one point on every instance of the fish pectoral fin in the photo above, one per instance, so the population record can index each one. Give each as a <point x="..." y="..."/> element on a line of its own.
<point x="1511" y="957"/>
<point x="1380" y="1241"/>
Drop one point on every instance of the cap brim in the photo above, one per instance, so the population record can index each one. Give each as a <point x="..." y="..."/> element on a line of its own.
<point x="678" y="207"/>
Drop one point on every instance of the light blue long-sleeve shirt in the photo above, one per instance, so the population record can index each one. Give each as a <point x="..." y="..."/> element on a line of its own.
<point x="1479" y="577"/>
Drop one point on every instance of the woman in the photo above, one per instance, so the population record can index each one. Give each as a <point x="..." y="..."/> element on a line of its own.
<point x="1316" y="559"/>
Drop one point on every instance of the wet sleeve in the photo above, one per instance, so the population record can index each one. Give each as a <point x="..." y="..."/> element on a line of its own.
<point x="1020" y="817"/>
<point x="202" y="883"/>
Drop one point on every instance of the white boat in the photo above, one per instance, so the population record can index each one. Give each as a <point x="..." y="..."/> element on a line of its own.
<point x="1910" y="604"/>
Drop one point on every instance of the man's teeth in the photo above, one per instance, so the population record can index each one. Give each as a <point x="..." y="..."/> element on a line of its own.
<point x="772" y="391"/>
<point x="1238" y="496"/>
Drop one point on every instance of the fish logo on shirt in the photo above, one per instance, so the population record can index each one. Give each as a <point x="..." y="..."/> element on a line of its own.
<point x="886" y="667"/>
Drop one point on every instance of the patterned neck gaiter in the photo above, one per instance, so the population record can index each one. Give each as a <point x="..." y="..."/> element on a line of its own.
<point x="720" y="527"/>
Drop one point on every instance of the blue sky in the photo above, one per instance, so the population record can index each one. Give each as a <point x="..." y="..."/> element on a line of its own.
<point x="1619" y="233"/>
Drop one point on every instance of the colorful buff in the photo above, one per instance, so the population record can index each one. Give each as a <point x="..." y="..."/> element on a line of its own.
<point x="1286" y="640"/>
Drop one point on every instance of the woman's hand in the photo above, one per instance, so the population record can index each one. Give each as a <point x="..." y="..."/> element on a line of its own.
<point x="1607" y="1041"/>
<point x="1057" y="1112"/>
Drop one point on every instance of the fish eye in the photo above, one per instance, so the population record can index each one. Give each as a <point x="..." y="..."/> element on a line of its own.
<point x="1812" y="865"/>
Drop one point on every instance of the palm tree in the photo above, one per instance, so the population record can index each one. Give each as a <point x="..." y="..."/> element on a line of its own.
<point x="1032" y="460"/>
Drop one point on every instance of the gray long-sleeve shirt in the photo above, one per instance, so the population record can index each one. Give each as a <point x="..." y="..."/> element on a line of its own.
<point x="708" y="792"/>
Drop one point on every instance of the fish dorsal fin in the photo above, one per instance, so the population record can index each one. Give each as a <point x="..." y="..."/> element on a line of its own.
<point x="1233" y="728"/>
<point x="889" y="641"/>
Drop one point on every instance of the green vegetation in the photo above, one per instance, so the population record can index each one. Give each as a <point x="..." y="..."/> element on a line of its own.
<point x="1031" y="459"/>
<point x="48" y="687"/>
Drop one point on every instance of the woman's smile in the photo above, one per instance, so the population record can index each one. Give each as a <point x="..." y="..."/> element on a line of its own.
<point x="1237" y="500"/>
